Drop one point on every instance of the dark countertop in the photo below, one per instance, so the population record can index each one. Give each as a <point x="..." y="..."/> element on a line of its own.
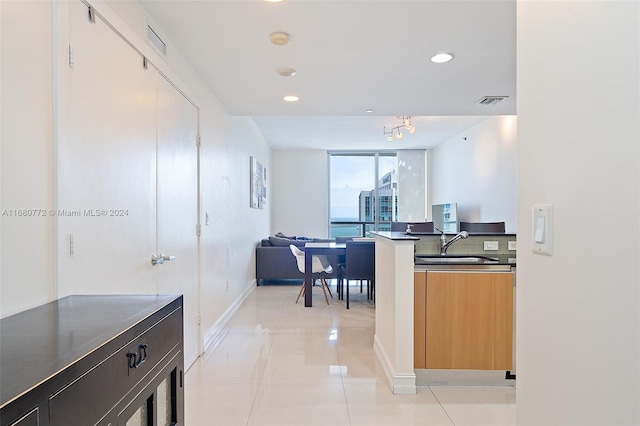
<point x="416" y="235"/>
<point x="437" y="234"/>
<point x="40" y="342"/>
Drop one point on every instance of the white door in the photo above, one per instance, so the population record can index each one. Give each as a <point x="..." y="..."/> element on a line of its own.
<point x="177" y="206"/>
<point x="106" y="165"/>
<point x="130" y="152"/>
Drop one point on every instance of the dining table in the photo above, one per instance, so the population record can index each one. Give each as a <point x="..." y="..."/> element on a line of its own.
<point x="317" y="248"/>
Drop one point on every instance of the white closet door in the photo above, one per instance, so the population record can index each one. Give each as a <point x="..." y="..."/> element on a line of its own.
<point x="107" y="166"/>
<point x="177" y="206"/>
<point x="131" y="152"/>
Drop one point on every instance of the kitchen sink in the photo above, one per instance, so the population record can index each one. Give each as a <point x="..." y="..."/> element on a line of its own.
<point x="459" y="262"/>
<point x="455" y="259"/>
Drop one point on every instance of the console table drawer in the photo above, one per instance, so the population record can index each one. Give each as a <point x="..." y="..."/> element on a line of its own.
<point x="31" y="419"/>
<point x="103" y="386"/>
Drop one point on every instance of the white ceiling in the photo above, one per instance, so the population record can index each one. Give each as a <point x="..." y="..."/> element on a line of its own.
<point x="350" y="56"/>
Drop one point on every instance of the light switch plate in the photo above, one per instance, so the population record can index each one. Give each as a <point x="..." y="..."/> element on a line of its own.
<point x="542" y="227"/>
<point x="491" y="245"/>
<point x="512" y="245"/>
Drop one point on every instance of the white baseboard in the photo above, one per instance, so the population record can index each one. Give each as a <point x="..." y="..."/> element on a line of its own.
<point x="433" y="377"/>
<point x="214" y="335"/>
<point x="401" y="384"/>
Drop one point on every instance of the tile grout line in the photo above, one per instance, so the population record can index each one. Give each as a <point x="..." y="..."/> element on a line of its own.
<point x="442" y="406"/>
<point x="264" y="371"/>
<point x="344" y="390"/>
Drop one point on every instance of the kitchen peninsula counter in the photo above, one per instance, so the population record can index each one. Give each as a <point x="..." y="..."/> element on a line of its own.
<point x="395" y="265"/>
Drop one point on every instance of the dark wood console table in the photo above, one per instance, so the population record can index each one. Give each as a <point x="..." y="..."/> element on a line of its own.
<point x="94" y="360"/>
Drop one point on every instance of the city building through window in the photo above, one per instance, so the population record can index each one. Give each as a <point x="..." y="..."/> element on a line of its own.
<point x="363" y="192"/>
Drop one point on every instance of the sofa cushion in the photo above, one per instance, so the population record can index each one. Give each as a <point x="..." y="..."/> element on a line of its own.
<point x="265" y="242"/>
<point x="285" y="242"/>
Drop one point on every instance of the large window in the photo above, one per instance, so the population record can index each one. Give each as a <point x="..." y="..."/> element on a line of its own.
<point x="363" y="192"/>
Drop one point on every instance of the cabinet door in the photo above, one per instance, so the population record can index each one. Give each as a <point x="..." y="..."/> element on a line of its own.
<point x="469" y="320"/>
<point x="419" y="323"/>
<point x="30" y="419"/>
<point x="159" y="404"/>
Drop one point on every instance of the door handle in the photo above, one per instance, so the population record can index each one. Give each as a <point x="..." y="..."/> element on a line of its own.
<point x="159" y="260"/>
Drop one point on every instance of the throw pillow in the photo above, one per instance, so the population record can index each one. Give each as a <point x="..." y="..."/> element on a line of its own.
<point x="285" y="242"/>
<point x="281" y="235"/>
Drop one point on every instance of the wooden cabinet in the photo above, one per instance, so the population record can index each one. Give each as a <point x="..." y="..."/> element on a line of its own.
<point x="420" y="319"/>
<point x="464" y="320"/>
<point x="94" y="360"/>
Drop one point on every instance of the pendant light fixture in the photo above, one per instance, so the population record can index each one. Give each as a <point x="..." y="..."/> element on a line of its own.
<point x="406" y="123"/>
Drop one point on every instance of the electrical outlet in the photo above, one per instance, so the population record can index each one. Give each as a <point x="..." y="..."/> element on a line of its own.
<point x="491" y="245"/>
<point x="513" y="245"/>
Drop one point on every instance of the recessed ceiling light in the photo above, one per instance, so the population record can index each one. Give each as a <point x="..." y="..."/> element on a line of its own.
<point x="273" y="1"/>
<point x="369" y="111"/>
<point x="441" y="58"/>
<point x="279" y="38"/>
<point x="291" y="98"/>
<point x="286" y="71"/>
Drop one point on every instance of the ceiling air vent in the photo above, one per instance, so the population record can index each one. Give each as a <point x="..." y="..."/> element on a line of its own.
<point x="154" y="39"/>
<point x="491" y="100"/>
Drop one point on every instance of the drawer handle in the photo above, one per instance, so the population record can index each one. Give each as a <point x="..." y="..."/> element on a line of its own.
<point x="138" y="358"/>
<point x="142" y="350"/>
<point x="132" y="360"/>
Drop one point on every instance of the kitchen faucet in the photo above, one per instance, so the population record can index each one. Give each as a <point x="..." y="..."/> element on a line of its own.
<point x="445" y="245"/>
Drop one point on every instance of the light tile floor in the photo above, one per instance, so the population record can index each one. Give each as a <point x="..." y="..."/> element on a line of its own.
<point x="284" y="364"/>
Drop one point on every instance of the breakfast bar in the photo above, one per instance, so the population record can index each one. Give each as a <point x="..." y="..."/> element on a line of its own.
<point x="469" y="295"/>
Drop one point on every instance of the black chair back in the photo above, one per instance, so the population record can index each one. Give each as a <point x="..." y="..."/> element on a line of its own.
<point x="360" y="260"/>
<point x="483" y="227"/>
<point x="343" y="239"/>
<point x="398" y="226"/>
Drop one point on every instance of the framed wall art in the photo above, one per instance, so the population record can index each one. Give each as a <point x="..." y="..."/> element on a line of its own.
<point x="258" y="184"/>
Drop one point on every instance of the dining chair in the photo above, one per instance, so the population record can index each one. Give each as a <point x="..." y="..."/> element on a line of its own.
<point x="319" y="266"/>
<point x="483" y="227"/>
<point x="360" y="264"/>
<point x="341" y="261"/>
<point x="342" y="240"/>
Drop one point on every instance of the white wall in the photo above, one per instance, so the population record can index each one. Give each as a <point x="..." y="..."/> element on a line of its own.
<point x="578" y="326"/>
<point x="300" y="188"/>
<point x="227" y="244"/>
<point x="26" y="154"/>
<point x="478" y="173"/>
<point x="412" y="189"/>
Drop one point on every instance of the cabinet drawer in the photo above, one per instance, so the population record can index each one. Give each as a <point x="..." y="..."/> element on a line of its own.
<point x="31" y="419"/>
<point x="86" y="400"/>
